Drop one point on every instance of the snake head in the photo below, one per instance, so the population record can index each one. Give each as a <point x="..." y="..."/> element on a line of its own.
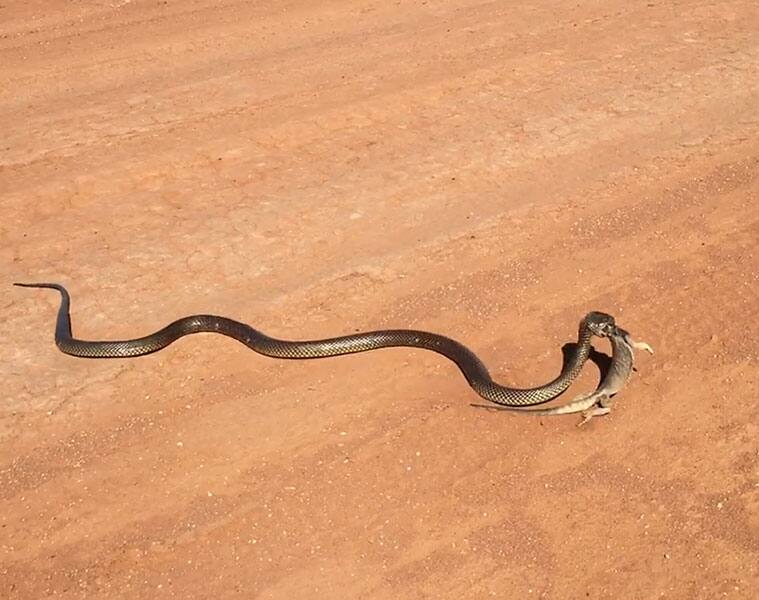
<point x="600" y="324"/>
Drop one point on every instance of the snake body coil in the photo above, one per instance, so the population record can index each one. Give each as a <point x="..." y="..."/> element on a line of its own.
<point x="595" y="323"/>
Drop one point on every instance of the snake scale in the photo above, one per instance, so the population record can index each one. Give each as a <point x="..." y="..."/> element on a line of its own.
<point x="475" y="372"/>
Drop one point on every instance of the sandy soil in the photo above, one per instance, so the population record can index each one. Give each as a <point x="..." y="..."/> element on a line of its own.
<point x="486" y="170"/>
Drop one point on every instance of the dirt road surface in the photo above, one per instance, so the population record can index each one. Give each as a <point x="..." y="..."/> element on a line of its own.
<point x="487" y="170"/>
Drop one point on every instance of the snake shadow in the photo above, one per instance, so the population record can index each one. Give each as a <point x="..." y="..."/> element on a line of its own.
<point x="600" y="359"/>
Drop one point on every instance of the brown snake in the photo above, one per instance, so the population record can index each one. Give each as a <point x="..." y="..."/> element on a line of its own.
<point x="475" y="372"/>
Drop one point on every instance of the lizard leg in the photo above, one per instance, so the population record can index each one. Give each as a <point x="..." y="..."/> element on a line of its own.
<point x="601" y="407"/>
<point x="641" y="346"/>
<point x="596" y="411"/>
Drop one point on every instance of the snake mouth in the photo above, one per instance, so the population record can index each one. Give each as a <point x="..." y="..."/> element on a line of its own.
<point x="601" y="324"/>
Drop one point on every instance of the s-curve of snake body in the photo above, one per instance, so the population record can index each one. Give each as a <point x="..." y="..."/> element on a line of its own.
<point x="594" y="324"/>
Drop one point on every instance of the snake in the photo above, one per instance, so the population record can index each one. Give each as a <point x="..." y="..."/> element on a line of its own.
<point x="475" y="372"/>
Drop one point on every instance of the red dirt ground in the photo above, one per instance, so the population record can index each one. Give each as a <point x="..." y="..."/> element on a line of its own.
<point x="486" y="170"/>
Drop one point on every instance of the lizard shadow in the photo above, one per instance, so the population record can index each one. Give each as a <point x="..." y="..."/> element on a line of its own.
<point x="600" y="359"/>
